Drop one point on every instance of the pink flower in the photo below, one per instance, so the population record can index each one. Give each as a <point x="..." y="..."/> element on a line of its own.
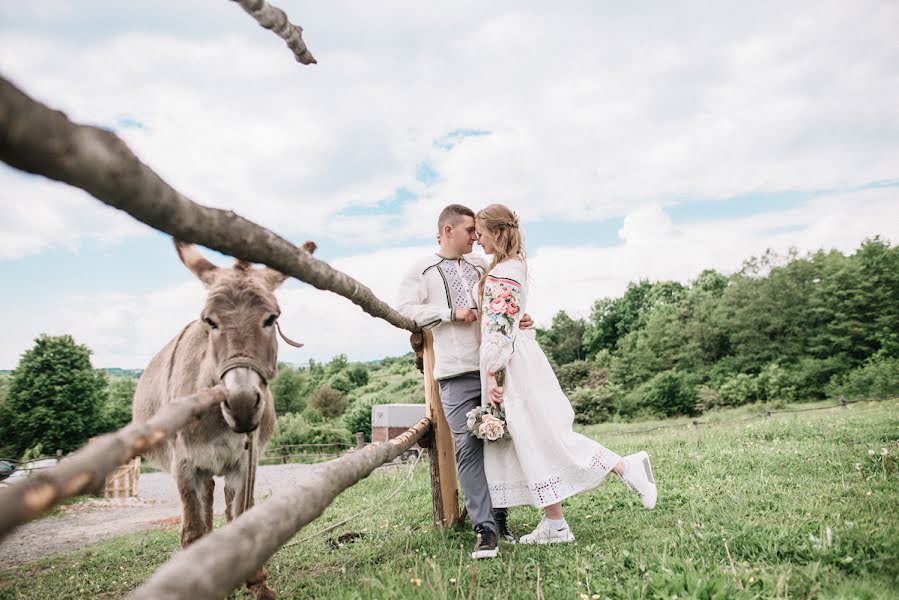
<point x="504" y="293"/>
<point x="498" y="306"/>
<point x="512" y="308"/>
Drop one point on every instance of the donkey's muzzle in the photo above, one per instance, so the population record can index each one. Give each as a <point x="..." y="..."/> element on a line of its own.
<point x="243" y="405"/>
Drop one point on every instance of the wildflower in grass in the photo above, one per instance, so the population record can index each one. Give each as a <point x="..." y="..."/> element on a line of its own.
<point x="884" y="452"/>
<point x="871" y="452"/>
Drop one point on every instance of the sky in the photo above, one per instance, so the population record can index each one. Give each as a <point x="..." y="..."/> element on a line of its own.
<point x="649" y="140"/>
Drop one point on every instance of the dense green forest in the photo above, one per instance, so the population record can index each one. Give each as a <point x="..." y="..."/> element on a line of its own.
<point x="782" y="329"/>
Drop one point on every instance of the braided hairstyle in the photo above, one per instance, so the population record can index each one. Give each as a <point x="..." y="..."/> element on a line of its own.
<point x="502" y="224"/>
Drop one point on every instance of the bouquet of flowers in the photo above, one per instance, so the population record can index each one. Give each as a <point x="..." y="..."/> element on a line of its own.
<point x="488" y="424"/>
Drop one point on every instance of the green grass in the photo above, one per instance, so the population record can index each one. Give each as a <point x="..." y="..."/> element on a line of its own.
<point x="771" y="488"/>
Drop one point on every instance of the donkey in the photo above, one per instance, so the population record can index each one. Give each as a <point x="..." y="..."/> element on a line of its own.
<point x="232" y="343"/>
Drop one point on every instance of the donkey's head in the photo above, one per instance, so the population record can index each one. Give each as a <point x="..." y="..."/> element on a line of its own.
<point x="239" y="316"/>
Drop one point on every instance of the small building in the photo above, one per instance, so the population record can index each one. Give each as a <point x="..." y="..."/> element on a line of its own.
<point x="390" y="420"/>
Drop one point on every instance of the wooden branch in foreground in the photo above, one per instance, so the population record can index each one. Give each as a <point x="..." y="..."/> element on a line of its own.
<point x="272" y="17"/>
<point x="87" y="469"/>
<point x="39" y="140"/>
<point x="222" y="560"/>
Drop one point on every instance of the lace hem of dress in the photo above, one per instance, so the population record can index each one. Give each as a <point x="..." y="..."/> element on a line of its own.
<point x="567" y="483"/>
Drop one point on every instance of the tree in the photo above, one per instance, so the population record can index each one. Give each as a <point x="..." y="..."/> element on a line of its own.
<point x="55" y="397"/>
<point x="328" y="401"/>
<point x="563" y="341"/>
<point x="116" y="412"/>
<point x="287" y="391"/>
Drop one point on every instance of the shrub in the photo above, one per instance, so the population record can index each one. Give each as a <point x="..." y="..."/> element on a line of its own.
<point x="878" y="378"/>
<point x="776" y="384"/>
<point x="116" y="411"/>
<point x="595" y="405"/>
<point x="358" y="417"/>
<point x="287" y="391"/>
<point x="580" y="373"/>
<point x="739" y="389"/>
<point x="312" y="415"/>
<point x="669" y="394"/>
<point x="328" y="401"/>
<point x="342" y="383"/>
<point x="358" y="375"/>
<point x="293" y="430"/>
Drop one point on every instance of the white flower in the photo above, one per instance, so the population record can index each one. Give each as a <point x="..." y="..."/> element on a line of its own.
<point x="858" y="466"/>
<point x="491" y="429"/>
<point x="884" y="452"/>
<point x="871" y="452"/>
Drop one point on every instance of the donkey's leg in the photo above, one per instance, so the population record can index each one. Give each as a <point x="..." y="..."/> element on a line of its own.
<point x="193" y="522"/>
<point x="234" y="488"/>
<point x="208" y="497"/>
<point x="229" y="502"/>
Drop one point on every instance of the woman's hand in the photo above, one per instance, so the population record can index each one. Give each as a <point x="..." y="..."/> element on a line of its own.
<point x="466" y="315"/>
<point x="494" y="391"/>
<point x="526" y="321"/>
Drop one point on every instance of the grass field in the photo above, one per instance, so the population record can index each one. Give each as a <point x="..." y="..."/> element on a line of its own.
<point x="797" y="501"/>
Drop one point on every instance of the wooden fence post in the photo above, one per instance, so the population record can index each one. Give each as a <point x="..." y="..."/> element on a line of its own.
<point x="444" y="486"/>
<point x="360" y="440"/>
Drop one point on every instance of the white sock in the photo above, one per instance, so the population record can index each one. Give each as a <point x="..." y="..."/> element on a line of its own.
<point x="557" y="524"/>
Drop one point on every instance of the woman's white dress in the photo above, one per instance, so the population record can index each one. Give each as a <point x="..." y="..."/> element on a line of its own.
<point x="545" y="461"/>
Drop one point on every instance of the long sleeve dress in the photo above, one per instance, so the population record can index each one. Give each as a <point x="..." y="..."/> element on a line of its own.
<point x="546" y="461"/>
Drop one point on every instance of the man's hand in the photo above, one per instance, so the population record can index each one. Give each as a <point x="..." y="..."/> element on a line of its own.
<point x="526" y="321"/>
<point x="466" y="315"/>
<point x="494" y="392"/>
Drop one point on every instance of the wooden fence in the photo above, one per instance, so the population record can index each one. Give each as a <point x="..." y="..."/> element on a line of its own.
<point x="37" y="139"/>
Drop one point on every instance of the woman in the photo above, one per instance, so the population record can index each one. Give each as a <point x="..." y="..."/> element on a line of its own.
<point x="545" y="461"/>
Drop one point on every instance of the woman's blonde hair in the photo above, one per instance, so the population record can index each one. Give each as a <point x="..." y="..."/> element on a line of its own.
<point x="502" y="225"/>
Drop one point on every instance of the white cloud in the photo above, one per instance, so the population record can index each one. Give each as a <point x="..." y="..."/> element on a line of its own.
<point x="595" y="110"/>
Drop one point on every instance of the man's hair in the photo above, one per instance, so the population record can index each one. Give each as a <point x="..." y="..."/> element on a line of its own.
<point x="452" y="214"/>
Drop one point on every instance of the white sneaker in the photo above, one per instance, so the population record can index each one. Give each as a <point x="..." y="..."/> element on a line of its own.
<point x="638" y="477"/>
<point x="547" y="534"/>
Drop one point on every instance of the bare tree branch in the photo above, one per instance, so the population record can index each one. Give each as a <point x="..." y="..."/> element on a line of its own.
<point x="272" y="17"/>
<point x="39" y="140"/>
<point x="222" y="560"/>
<point x="87" y="469"/>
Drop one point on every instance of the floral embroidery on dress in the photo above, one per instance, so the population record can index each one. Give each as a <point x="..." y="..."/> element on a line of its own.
<point x="501" y="314"/>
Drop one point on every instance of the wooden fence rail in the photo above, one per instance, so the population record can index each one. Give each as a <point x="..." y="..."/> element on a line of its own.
<point x="86" y="470"/>
<point x="220" y="561"/>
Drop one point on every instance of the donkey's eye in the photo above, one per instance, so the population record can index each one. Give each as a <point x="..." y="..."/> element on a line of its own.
<point x="210" y="322"/>
<point x="270" y="321"/>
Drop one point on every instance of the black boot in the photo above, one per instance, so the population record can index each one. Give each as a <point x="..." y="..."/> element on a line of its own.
<point x="500" y="515"/>
<point x="485" y="547"/>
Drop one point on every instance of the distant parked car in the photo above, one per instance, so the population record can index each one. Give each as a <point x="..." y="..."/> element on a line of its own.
<point x="25" y="469"/>
<point x="6" y="469"/>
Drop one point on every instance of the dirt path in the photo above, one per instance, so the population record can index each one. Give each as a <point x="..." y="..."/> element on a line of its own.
<point x="157" y="506"/>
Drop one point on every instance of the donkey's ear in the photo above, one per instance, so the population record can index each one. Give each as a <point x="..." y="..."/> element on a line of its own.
<point x="198" y="265"/>
<point x="274" y="278"/>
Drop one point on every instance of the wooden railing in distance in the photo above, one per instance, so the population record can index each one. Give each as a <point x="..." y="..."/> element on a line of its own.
<point x="223" y="559"/>
<point x="87" y="469"/>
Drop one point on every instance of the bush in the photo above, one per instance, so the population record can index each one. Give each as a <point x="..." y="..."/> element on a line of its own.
<point x="312" y="415"/>
<point x="595" y="405"/>
<point x="54" y="397"/>
<point x="294" y="430"/>
<point x="116" y="412"/>
<point x="329" y="402"/>
<point x="287" y="391"/>
<point x="358" y="375"/>
<point x="739" y="389"/>
<point x="878" y="378"/>
<point x="814" y="374"/>
<point x="358" y="417"/>
<point x="580" y="373"/>
<point x="776" y="384"/>
<point x="669" y="394"/>
<point x="341" y="382"/>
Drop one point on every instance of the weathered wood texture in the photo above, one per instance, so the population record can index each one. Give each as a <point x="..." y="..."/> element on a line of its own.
<point x="444" y="483"/>
<point x="272" y="17"/>
<point x="87" y="469"/>
<point x="37" y="139"/>
<point x="220" y="561"/>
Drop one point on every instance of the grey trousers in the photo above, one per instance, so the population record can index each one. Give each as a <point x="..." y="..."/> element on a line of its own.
<point x="459" y="395"/>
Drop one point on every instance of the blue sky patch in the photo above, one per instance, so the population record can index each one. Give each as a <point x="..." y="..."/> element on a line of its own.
<point x="452" y="138"/>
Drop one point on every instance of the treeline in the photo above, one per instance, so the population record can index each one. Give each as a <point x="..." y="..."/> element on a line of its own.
<point x="782" y="329"/>
<point x="55" y="400"/>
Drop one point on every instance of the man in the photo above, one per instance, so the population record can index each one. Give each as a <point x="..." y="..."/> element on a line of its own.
<point x="439" y="293"/>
